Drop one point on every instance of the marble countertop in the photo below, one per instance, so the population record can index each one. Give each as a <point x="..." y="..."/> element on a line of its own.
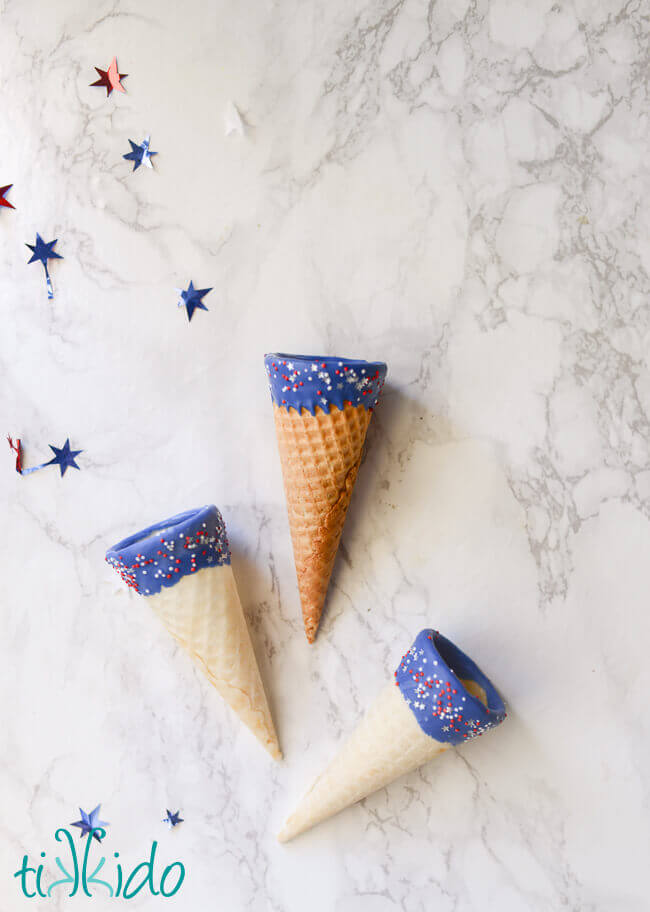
<point x="456" y="188"/>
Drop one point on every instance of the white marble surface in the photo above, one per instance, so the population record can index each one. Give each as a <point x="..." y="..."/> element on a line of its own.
<point x="458" y="188"/>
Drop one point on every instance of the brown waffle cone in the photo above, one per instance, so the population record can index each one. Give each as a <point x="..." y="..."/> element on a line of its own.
<point x="320" y="456"/>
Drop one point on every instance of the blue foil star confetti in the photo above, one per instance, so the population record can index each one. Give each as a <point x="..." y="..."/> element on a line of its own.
<point x="190" y="298"/>
<point x="140" y="154"/>
<point x="43" y="252"/>
<point x="173" y="819"/>
<point x="64" y="457"/>
<point x="90" y="823"/>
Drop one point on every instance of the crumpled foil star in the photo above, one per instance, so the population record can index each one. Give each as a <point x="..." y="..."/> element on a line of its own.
<point x="90" y="823"/>
<point x="232" y="120"/>
<point x="110" y="78"/>
<point x="173" y="819"/>
<point x="43" y="252"/>
<point x="16" y="447"/>
<point x="3" y="201"/>
<point x="190" y="298"/>
<point x="140" y="154"/>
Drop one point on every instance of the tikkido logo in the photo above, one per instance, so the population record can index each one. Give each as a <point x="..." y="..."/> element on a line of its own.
<point x="80" y="873"/>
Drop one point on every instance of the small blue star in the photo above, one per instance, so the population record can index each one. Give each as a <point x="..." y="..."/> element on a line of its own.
<point x="42" y="252"/>
<point x="140" y="154"/>
<point x="173" y="819"/>
<point x="64" y="457"/>
<point x="90" y="823"/>
<point x="191" y="299"/>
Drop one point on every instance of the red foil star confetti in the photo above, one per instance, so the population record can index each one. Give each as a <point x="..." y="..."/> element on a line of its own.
<point x="3" y="193"/>
<point x="110" y="78"/>
<point x="18" y="450"/>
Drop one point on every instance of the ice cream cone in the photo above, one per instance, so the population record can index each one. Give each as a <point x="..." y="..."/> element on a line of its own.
<point x="182" y="566"/>
<point x="439" y="698"/>
<point x="322" y="409"/>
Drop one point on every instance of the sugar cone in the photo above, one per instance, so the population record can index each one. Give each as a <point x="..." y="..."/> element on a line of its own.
<point x="320" y="456"/>
<point x="440" y="697"/>
<point x="203" y="613"/>
<point x="181" y="565"/>
<point x="388" y="743"/>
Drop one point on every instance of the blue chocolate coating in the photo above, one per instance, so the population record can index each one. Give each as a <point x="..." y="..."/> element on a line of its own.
<point x="164" y="553"/>
<point x="429" y="678"/>
<point x="308" y="381"/>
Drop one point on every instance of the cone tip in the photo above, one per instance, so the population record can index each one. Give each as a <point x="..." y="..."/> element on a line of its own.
<point x="287" y="832"/>
<point x="272" y="746"/>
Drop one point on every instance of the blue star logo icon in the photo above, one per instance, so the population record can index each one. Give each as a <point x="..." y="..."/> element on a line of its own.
<point x="90" y="823"/>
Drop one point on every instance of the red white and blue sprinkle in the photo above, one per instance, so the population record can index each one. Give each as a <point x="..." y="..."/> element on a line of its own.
<point x="430" y="678"/>
<point x="308" y="381"/>
<point x="162" y="554"/>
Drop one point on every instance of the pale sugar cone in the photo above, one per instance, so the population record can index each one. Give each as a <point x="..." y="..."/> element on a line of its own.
<point x="320" y="434"/>
<point x="390" y="741"/>
<point x="182" y="566"/>
<point x="203" y="613"/>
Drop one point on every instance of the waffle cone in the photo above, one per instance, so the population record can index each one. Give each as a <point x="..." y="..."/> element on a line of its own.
<point x="387" y="744"/>
<point x="320" y="456"/>
<point x="203" y="613"/>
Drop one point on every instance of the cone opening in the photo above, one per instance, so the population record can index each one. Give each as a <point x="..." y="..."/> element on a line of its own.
<point x="323" y="381"/>
<point x="189" y="518"/>
<point x="462" y="668"/>
<point x="326" y="360"/>
<point x="162" y="554"/>
<point x="446" y="691"/>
